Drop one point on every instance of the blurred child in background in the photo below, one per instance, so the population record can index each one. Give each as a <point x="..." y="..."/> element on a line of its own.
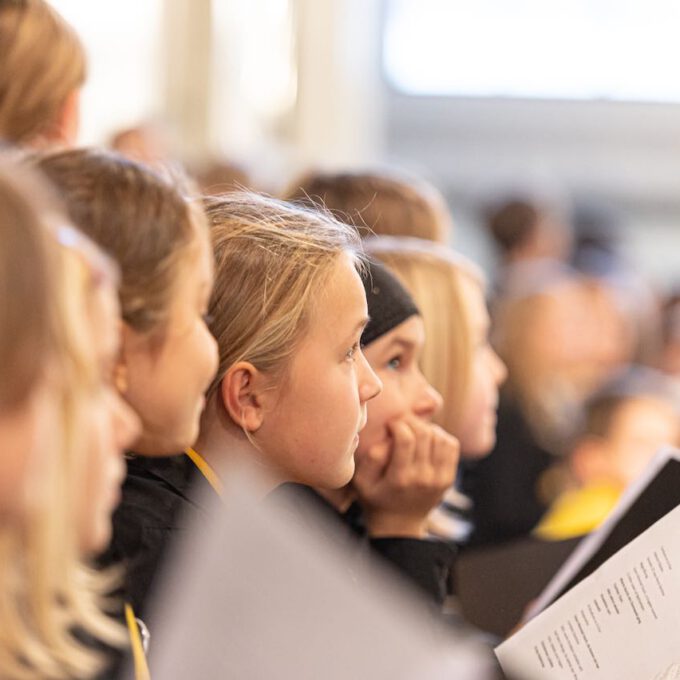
<point x="624" y="424"/>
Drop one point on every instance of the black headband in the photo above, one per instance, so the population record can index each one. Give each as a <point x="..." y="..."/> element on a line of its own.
<point x="389" y="304"/>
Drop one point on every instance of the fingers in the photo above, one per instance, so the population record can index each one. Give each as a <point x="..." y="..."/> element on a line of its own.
<point x="403" y="445"/>
<point x="424" y="437"/>
<point x="370" y="465"/>
<point x="424" y="448"/>
<point x="445" y="456"/>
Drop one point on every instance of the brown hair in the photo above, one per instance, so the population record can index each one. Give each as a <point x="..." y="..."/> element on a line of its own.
<point x="636" y="382"/>
<point x="512" y="223"/>
<point x="137" y="216"/>
<point x="432" y="274"/>
<point x="377" y="203"/>
<point x="41" y="63"/>
<point x="271" y="260"/>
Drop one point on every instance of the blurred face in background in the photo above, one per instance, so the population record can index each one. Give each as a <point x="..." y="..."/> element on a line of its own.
<point x="640" y="427"/>
<point x="26" y="432"/>
<point x="477" y="427"/>
<point x="111" y="427"/>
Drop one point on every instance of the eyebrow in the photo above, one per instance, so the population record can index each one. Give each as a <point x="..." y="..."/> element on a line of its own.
<point x="360" y="326"/>
<point x="406" y="344"/>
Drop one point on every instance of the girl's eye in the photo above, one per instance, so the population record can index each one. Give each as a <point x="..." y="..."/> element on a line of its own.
<point x="351" y="352"/>
<point x="394" y="363"/>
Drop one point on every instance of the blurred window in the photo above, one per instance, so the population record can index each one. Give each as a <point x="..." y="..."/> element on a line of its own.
<point x="562" y="49"/>
<point x="123" y="41"/>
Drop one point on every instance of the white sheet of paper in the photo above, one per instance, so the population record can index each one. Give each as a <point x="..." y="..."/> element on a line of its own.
<point x="254" y="594"/>
<point x="622" y="622"/>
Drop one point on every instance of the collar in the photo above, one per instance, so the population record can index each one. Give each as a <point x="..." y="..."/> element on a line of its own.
<point x="206" y="470"/>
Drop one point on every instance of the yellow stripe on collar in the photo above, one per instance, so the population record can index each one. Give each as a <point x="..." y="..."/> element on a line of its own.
<point x="138" y="655"/>
<point x="205" y="470"/>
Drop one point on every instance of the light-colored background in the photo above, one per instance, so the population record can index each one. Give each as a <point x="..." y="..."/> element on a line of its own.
<point x="284" y="84"/>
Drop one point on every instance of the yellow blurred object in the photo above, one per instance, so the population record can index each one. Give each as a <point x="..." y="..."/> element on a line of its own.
<point x="578" y="512"/>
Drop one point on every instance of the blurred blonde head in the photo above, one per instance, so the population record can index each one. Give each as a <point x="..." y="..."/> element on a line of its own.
<point x="377" y="203"/>
<point x="42" y="67"/>
<point x="48" y="593"/>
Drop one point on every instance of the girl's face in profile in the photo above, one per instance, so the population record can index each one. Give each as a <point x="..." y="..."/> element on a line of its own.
<point x="313" y="415"/>
<point x="477" y="425"/>
<point x="111" y="427"/>
<point x="27" y="431"/>
<point x="166" y="381"/>
<point x="394" y="358"/>
<point x="62" y="425"/>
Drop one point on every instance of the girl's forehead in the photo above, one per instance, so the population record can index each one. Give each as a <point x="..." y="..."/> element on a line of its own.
<point x="339" y="306"/>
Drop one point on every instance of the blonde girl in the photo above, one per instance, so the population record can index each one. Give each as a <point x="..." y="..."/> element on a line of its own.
<point x="288" y="311"/>
<point x="378" y="203"/>
<point x="63" y="429"/>
<point x="167" y="358"/>
<point x="457" y="359"/>
<point x="42" y="68"/>
<point x="159" y="239"/>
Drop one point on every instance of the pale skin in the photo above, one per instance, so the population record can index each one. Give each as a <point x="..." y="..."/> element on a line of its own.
<point x="639" y="428"/>
<point x="30" y="433"/>
<point x="404" y="463"/>
<point x="476" y="430"/>
<point x="26" y="431"/>
<point x="301" y="426"/>
<point x="62" y="131"/>
<point x="111" y="427"/>
<point x="164" y="378"/>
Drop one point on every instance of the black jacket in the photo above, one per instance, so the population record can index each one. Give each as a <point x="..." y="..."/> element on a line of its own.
<point x="155" y="507"/>
<point x="504" y="485"/>
<point x="424" y="563"/>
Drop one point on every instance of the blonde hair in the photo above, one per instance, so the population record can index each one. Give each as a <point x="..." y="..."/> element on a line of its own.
<point x="272" y="260"/>
<point x="49" y="596"/>
<point x="377" y="203"/>
<point x="41" y="63"/>
<point x="140" y="218"/>
<point x="433" y="274"/>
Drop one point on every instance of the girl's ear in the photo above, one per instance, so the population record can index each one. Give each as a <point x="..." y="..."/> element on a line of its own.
<point x="241" y="392"/>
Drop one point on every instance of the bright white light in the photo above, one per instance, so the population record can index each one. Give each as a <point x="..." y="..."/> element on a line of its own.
<point x="554" y="49"/>
<point x="122" y="41"/>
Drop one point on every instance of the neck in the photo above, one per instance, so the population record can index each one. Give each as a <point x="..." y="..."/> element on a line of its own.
<point x="225" y="447"/>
